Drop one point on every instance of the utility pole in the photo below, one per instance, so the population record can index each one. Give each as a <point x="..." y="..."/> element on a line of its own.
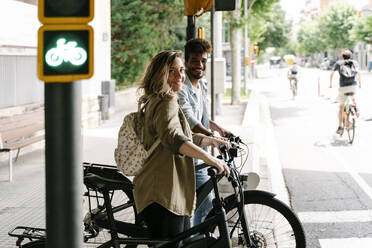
<point x="217" y="49"/>
<point x="246" y="48"/>
<point x="191" y="29"/>
<point x="212" y="63"/>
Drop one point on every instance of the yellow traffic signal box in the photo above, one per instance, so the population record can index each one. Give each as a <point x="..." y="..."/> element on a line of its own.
<point x="65" y="53"/>
<point x="65" y="42"/>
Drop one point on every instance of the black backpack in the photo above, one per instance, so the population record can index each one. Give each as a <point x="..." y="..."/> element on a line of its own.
<point x="348" y="71"/>
<point x="294" y="70"/>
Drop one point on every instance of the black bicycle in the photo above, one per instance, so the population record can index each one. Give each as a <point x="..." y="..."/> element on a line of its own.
<point x="249" y="218"/>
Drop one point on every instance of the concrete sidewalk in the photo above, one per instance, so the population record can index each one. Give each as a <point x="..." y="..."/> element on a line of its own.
<point x="22" y="202"/>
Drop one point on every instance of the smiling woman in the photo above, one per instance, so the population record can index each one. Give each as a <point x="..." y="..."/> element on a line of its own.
<point x="165" y="187"/>
<point x="176" y="74"/>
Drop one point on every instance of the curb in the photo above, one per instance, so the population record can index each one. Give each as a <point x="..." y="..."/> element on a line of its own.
<point x="271" y="153"/>
<point x="250" y="118"/>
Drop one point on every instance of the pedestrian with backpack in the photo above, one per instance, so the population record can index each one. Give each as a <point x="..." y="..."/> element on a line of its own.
<point x="164" y="189"/>
<point x="349" y="75"/>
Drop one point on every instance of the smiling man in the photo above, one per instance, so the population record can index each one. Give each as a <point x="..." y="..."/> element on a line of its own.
<point x="194" y="103"/>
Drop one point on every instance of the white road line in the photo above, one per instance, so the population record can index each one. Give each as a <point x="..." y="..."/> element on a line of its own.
<point x="346" y="243"/>
<point x="336" y="216"/>
<point x="358" y="179"/>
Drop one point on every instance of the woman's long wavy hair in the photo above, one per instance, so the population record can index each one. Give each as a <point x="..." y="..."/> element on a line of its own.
<point x="155" y="79"/>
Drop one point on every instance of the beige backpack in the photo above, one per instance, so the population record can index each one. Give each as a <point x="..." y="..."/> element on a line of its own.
<point x="130" y="154"/>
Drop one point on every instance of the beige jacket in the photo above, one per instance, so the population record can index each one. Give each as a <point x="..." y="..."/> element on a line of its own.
<point x="168" y="178"/>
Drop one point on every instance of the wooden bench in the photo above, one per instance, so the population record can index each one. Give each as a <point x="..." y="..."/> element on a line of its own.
<point x="19" y="131"/>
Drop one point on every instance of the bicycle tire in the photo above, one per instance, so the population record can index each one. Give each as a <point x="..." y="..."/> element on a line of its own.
<point x="351" y="130"/>
<point x="259" y="207"/>
<point x="103" y="232"/>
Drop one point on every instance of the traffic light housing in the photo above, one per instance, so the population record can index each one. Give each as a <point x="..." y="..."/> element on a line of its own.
<point x="193" y="6"/>
<point x="65" y="11"/>
<point x="65" y="42"/>
<point x="225" y="5"/>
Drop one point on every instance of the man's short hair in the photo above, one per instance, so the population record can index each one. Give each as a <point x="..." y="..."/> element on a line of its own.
<point x="196" y="45"/>
<point x="347" y="54"/>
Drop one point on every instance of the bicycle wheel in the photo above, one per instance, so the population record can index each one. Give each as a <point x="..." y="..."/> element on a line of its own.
<point x="271" y="223"/>
<point x="351" y="127"/>
<point x="96" y="225"/>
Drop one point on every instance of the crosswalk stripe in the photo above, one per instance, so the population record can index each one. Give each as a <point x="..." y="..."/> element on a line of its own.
<point x="358" y="179"/>
<point x="336" y="216"/>
<point x="346" y="243"/>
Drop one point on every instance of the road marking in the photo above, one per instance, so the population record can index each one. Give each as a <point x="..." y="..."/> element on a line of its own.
<point x="336" y="216"/>
<point x="346" y="243"/>
<point x="358" y="179"/>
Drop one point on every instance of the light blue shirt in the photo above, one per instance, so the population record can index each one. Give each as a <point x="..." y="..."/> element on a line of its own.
<point x="188" y="100"/>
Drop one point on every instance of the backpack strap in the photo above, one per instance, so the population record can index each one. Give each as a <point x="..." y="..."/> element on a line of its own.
<point x="157" y="141"/>
<point x="154" y="146"/>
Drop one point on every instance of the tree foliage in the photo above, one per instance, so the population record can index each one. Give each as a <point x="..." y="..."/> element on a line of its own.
<point x="330" y="31"/>
<point x="335" y="26"/>
<point x="362" y="30"/>
<point x="139" y="29"/>
<point x="278" y="29"/>
<point x="310" y="38"/>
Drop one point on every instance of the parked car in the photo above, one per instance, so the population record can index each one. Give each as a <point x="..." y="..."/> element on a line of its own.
<point x="275" y="60"/>
<point x="327" y="64"/>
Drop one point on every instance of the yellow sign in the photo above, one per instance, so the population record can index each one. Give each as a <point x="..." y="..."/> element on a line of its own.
<point x="201" y="33"/>
<point x="193" y="7"/>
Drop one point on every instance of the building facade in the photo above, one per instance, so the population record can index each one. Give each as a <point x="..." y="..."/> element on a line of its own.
<point x="20" y="89"/>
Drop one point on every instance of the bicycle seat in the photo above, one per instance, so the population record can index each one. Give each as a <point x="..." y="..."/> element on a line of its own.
<point x="100" y="183"/>
<point x="349" y="94"/>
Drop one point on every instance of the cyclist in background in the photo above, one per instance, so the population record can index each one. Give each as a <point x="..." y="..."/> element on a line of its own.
<point x="348" y="70"/>
<point x="292" y="74"/>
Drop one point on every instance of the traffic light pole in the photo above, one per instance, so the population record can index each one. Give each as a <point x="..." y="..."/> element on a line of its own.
<point x="190" y="29"/>
<point x="63" y="169"/>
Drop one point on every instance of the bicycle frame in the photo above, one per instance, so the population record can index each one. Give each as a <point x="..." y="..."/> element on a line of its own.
<point x="138" y="235"/>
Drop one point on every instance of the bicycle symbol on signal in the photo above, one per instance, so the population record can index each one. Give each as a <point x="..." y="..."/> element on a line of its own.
<point x="66" y="52"/>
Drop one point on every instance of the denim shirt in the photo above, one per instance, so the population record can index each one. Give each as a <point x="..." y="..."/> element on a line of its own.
<point x="187" y="99"/>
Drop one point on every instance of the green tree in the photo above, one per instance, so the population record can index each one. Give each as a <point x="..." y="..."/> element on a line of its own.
<point x="237" y="21"/>
<point x="310" y="38"/>
<point x="139" y="29"/>
<point x="362" y="30"/>
<point x="335" y="26"/>
<point x="278" y="29"/>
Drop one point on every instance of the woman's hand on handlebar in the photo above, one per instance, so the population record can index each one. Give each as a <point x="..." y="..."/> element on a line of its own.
<point x="219" y="164"/>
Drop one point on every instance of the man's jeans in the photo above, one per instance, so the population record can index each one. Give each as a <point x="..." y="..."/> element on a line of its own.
<point x="206" y="205"/>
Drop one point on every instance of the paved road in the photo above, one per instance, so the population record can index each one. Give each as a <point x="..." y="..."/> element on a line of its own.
<point x="329" y="180"/>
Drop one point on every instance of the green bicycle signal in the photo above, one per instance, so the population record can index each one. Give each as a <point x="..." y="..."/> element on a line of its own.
<point x="66" y="52"/>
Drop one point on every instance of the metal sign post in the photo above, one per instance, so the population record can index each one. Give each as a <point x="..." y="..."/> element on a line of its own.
<point x="65" y="54"/>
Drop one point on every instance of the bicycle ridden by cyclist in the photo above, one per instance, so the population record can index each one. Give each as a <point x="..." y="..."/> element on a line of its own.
<point x="164" y="190"/>
<point x="349" y="75"/>
<point x="292" y="75"/>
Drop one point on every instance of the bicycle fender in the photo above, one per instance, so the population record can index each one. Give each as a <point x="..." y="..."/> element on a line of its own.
<point x="261" y="193"/>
